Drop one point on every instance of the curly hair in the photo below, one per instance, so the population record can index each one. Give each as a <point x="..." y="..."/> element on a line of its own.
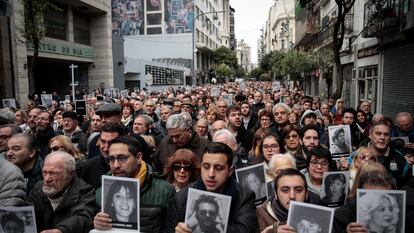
<point x="373" y="201"/>
<point x="182" y="156"/>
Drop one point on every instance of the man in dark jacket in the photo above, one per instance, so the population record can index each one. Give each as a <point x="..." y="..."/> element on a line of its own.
<point x="216" y="176"/>
<point x="234" y="120"/>
<point x="72" y="130"/>
<point x="92" y="169"/>
<point x="62" y="202"/>
<point x="44" y="132"/>
<point x="22" y="152"/>
<point x="180" y="136"/>
<point x="125" y="160"/>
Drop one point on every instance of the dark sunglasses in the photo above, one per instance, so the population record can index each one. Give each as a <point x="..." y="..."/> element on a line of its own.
<point x="186" y="167"/>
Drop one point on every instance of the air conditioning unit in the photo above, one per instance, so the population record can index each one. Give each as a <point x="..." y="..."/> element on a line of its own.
<point x="407" y="21"/>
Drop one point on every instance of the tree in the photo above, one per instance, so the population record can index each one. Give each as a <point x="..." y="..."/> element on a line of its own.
<point x="256" y="73"/>
<point x="224" y="55"/>
<point x="223" y="70"/>
<point x="34" y="12"/>
<point x="240" y="72"/>
<point x="344" y="6"/>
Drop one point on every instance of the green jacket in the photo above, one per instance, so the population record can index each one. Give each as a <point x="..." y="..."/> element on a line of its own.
<point x="156" y="195"/>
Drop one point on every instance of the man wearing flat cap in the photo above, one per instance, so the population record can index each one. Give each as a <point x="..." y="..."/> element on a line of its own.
<point x="72" y="130"/>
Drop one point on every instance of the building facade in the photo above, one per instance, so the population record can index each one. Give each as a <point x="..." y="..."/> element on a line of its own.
<point x="78" y="33"/>
<point x="162" y="32"/>
<point x="244" y="56"/>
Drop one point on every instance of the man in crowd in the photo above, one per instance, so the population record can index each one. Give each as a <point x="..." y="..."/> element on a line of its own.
<point x="309" y="139"/>
<point x="216" y="176"/>
<point x="23" y="152"/>
<point x="6" y="131"/>
<point x="289" y="185"/>
<point x="233" y="117"/>
<point x="390" y="157"/>
<point x="12" y="185"/>
<point x="92" y="170"/>
<point x="258" y="104"/>
<point x="166" y="111"/>
<point x="366" y="107"/>
<point x="72" y="130"/>
<point x="280" y="113"/>
<point x="125" y="160"/>
<point x="31" y="121"/>
<point x="44" y="132"/>
<point x="228" y="138"/>
<point x="249" y="121"/>
<point x="62" y="202"/>
<point x="180" y="136"/>
<point x="222" y="108"/>
<point x="217" y="125"/>
<point x="149" y="108"/>
<point x="405" y="126"/>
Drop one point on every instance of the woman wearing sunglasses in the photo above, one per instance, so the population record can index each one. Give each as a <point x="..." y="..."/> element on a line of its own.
<point x="182" y="169"/>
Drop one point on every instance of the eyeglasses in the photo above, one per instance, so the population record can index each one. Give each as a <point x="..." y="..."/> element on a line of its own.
<point x="186" y="167"/>
<point x="207" y="212"/>
<point x="294" y="136"/>
<point x="119" y="158"/>
<point x="270" y="146"/>
<point x="317" y="163"/>
<point x="265" y="119"/>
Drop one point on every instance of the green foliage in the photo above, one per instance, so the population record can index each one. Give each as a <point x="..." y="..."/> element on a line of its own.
<point x="223" y="70"/>
<point x="224" y="55"/>
<point x="256" y="73"/>
<point x="240" y="72"/>
<point x="265" y="77"/>
<point x="291" y="62"/>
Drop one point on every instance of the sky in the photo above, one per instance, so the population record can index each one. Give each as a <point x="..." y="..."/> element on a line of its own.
<point x="250" y="17"/>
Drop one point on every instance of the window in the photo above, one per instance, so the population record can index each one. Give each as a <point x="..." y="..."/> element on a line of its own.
<point x="81" y="26"/>
<point x="57" y="23"/>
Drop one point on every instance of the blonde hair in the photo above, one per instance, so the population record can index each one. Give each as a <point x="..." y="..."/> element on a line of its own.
<point x="366" y="169"/>
<point x="67" y="146"/>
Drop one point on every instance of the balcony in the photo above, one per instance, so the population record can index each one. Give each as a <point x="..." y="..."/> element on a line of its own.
<point x="305" y="30"/>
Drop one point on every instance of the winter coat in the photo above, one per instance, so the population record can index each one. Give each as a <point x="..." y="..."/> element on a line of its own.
<point x="12" y="185"/>
<point x="73" y="215"/>
<point x="242" y="217"/>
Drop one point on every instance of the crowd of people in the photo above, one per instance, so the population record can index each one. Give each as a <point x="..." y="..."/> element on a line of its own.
<point x="176" y="139"/>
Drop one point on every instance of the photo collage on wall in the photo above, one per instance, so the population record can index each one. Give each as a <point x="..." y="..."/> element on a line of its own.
<point x="139" y="17"/>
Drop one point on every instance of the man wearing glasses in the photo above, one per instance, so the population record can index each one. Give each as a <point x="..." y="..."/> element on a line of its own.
<point x="125" y="160"/>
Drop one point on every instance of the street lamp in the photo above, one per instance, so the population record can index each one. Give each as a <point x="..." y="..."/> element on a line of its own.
<point x="215" y="17"/>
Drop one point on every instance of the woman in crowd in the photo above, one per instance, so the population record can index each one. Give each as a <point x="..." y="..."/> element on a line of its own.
<point x="362" y="122"/>
<point x="127" y="111"/>
<point x="319" y="162"/>
<point x="362" y="155"/>
<point x="212" y="114"/>
<point x="269" y="146"/>
<point x="21" y="119"/>
<point x="371" y="175"/>
<point x="261" y="133"/>
<point x="58" y="121"/>
<point x="265" y="119"/>
<point x="293" y="118"/>
<point x="182" y="169"/>
<point x="202" y="114"/>
<point x="291" y="143"/>
<point x="63" y="143"/>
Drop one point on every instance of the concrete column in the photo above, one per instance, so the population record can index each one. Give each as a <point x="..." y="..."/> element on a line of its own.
<point x="101" y="71"/>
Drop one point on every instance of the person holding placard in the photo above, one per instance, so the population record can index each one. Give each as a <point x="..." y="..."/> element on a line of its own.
<point x="216" y="176"/>
<point x="125" y="160"/>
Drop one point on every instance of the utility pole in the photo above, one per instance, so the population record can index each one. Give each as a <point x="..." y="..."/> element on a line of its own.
<point x="73" y="84"/>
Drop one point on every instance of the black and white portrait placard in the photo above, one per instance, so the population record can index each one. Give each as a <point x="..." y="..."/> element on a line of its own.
<point x="335" y="187"/>
<point x="306" y="217"/>
<point x="207" y="212"/>
<point x="228" y="98"/>
<point x="253" y="178"/>
<point x="18" y="219"/>
<point x="9" y="103"/>
<point x="340" y="140"/>
<point x="381" y="210"/>
<point x="46" y="100"/>
<point x="120" y="199"/>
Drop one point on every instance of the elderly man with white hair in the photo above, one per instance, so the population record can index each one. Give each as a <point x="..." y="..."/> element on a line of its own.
<point x="62" y="202"/>
<point x="228" y="138"/>
<point x="180" y="136"/>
